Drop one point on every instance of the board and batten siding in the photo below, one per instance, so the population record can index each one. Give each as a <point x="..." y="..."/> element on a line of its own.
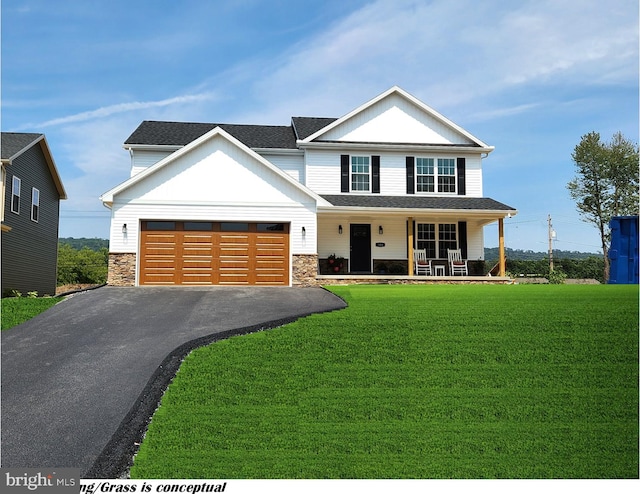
<point x="395" y="120"/>
<point x="30" y="249"/>
<point x="215" y="181"/>
<point x="323" y="170"/>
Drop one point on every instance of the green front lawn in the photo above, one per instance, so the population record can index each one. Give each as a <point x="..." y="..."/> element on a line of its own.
<point x="20" y="309"/>
<point x="517" y="381"/>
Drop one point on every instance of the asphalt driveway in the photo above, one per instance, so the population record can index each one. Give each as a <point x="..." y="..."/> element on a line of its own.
<point x="81" y="380"/>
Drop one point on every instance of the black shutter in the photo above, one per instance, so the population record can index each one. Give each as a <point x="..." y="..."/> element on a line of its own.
<point x="411" y="174"/>
<point x="462" y="237"/>
<point x="462" y="186"/>
<point x="344" y="173"/>
<point x="375" y="174"/>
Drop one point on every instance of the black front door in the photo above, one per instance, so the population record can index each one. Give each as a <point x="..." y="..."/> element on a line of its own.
<point x="360" y="258"/>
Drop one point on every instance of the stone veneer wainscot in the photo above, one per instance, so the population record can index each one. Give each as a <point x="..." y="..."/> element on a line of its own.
<point x="122" y="269"/>
<point x="304" y="269"/>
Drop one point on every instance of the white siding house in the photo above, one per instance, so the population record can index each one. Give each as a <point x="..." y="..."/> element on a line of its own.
<point x="251" y="204"/>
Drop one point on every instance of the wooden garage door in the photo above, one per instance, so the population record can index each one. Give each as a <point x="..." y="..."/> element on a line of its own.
<point x="214" y="253"/>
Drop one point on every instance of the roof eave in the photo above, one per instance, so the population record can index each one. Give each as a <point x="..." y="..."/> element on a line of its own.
<point x="152" y="147"/>
<point x="393" y="146"/>
<point x="497" y="213"/>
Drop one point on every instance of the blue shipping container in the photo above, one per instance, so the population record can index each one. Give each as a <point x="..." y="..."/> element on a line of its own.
<point x="623" y="252"/>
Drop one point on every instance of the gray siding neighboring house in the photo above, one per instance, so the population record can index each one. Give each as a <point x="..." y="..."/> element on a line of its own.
<point x="29" y="246"/>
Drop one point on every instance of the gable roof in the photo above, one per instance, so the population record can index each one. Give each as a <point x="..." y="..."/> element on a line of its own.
<point x="303" y="131"/>
<point x="13" y="144"/>
<point x="107" y="197"/>
<point x="397" y="91"/>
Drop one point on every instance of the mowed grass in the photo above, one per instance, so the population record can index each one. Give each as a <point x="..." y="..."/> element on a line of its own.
<point x="517" y="381"/>
<point x="15" y="311"/>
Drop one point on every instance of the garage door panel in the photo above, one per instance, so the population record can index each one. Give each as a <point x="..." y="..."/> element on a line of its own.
<point x="190" y="257"/>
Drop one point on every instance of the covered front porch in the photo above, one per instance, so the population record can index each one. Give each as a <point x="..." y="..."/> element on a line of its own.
<point x="376" y="245"/>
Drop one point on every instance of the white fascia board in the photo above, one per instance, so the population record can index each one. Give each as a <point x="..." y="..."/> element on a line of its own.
<point x="107" y="197"/>
<point x="263" y="151"/>
<point x="152" y="147"/>
<point x="427" y="109"/>
<point x="393" y="146"/>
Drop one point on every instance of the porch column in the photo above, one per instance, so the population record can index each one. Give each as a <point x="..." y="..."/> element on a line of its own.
<point x="502" y="260"/>
<point x="410" y="249"/>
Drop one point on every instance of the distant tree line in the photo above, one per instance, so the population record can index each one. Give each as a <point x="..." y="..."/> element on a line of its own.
<point x="529" y="263"/>
<point x="90" y="243"/>
<point x="491" y="253"/>
<point x="82" y="261"/>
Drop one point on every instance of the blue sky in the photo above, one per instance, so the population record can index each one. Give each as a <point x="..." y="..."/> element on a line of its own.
<point x="528" y="77"/>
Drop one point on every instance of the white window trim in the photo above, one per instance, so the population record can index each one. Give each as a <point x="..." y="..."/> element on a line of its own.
<point x="15" y="180"/>
<point x="351" y="189"/>
<point x="35" y="204"/>
<point x="3" y="178"/>
<point x="436" y="227"/>
<point x="435" y="175"/>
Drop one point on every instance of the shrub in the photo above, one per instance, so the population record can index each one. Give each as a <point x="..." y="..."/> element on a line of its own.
<point x="556" y="277"/>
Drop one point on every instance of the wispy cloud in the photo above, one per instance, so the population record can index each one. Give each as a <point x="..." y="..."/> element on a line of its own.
<point x="107" y="111"/>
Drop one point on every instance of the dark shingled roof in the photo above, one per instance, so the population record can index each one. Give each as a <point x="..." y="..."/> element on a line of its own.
<point x="417" y="202"/>
<point x="306" y="126"/>
<point x="14" y="142"/>
<point x="182" y="133"/>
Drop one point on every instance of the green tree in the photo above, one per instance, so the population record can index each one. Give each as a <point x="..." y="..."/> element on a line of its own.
<point x="606" y="182"/>
<point x="84" y="266"/>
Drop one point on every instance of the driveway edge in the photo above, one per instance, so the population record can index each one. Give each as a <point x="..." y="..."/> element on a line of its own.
<point x="117" y="456"/>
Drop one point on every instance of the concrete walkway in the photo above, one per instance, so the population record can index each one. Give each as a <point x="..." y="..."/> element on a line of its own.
<point x="81" y="380"/>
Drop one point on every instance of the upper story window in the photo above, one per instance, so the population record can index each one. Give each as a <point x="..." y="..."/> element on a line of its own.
<point x="432" y="171"/>
<point x="425" y="175"/>
<point x="436" y="175"/>
<point x="446" y="175"/>
<point x="360" y="174"/>
<point x="35" y="204"/>
<point x="15" y="195"/>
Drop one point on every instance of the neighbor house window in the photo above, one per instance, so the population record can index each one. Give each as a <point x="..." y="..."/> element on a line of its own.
<point x="35" y="204"/>
<point x="436" y="238"/>
<point x="4" y="179"/>
<point x="15" y="195"/>
<point x="360" y="173"/>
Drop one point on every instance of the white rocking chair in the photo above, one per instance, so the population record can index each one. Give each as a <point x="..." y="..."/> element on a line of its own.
<point x="457" y="265"/>
<point x="422" y="265"/>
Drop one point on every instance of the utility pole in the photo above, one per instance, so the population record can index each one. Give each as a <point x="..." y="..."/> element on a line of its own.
<point x="551" y="235"/>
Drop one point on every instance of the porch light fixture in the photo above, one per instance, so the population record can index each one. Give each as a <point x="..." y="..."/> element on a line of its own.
<point x="380" y="230"/>
<point x="304" y="231"/>
<point x="340" y="229"/>
<point x="124" y="228"/>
